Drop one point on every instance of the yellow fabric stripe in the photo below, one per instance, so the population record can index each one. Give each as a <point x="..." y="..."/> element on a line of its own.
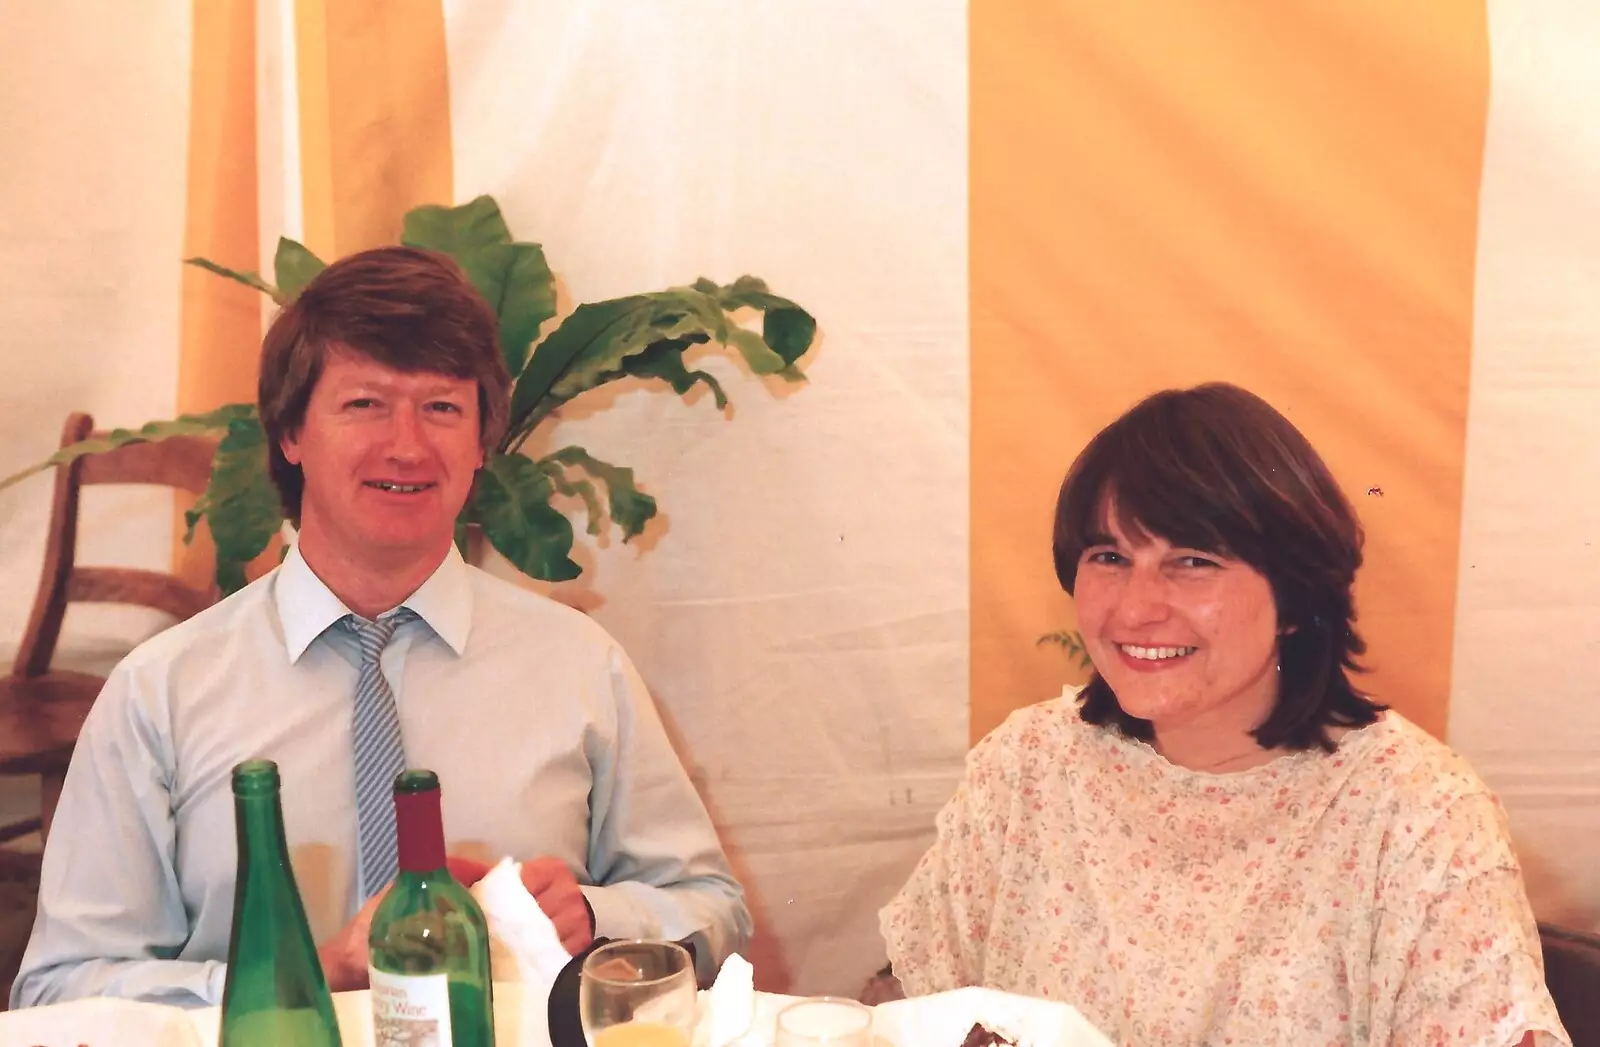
<point x="220" y="321"/>
<point x="1282" y="196"/>
<point x="374" y="118"/>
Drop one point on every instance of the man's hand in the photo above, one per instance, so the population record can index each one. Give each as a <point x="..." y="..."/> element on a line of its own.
<point x="549" y="880"/>
<point x="553" y="886"/>
<point x="556" y="890"/>
<point x="344" y="956"/>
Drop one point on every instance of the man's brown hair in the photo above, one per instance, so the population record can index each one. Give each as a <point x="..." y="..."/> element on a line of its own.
<point x="406" y="308"/>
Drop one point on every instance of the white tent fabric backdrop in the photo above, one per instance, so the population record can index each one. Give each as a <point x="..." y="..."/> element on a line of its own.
<point x="93" y="111"/>
<point x="802" y="616"/>
<point x="1522" y="703"/>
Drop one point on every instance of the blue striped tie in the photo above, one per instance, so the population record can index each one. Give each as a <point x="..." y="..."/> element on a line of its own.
<point x="380" y="754"/>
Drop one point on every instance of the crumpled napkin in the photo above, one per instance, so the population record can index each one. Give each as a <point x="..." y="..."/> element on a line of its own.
<point x="726" y="1011"/>
<point x="523" y="944"/>
<point x="725" y="1014"/>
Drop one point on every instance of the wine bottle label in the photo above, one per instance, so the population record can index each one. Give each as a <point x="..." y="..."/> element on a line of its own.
<point x="410" y="1010"/>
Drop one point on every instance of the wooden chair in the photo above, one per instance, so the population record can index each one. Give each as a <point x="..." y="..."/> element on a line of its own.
<point x="42" y="708"/>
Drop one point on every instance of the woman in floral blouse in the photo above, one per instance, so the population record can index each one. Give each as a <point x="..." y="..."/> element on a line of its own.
<point x="1220" y="840"/>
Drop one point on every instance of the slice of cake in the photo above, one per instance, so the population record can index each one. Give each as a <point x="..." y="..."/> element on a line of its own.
<point x="981" y="1035"/>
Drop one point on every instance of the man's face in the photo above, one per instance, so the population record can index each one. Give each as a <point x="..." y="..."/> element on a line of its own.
<point x="388" y="458"/>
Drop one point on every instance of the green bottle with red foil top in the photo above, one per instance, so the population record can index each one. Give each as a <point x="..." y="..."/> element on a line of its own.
<point x="428" y="951"/>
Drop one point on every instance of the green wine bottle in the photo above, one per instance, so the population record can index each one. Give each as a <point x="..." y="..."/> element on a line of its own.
<point x="428" y="952"/>
<point x="275" y="992"/>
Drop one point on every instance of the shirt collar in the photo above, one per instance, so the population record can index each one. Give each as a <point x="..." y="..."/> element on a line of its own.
<point x="306" y="607"/>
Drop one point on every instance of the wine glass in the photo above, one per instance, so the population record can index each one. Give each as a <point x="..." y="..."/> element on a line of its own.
<point x="637" y="994"/>
<point x="825" y="1021"/>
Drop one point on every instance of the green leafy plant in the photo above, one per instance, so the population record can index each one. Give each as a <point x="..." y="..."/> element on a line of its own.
<point x="514" y="503"/>
<point x="1070" y="641"/>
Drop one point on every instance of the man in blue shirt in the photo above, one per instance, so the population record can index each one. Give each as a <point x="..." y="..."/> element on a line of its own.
<point x="382" y="389"/>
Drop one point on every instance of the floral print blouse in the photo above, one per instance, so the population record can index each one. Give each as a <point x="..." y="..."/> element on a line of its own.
<point x="1364" y="896"/>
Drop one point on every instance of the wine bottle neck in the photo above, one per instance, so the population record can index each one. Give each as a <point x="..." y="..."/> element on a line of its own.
<point x="260" y="830"/>
<point x="419" y="824"/>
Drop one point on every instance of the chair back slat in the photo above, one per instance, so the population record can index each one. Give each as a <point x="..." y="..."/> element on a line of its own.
<point x="183" y="462"/>
<point x="136" y="587"/>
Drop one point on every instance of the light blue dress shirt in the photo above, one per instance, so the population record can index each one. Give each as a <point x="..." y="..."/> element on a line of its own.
<point x="542" y="733"/>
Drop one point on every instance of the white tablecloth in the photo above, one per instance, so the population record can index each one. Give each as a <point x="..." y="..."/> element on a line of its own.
<point x="122" y="1023"/>
<point x="927" y="1022"/>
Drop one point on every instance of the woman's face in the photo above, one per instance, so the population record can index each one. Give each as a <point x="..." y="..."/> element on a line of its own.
<point x="1184" y="637"/>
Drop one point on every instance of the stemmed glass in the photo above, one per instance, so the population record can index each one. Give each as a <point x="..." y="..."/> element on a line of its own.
<point x="637" y="994"/>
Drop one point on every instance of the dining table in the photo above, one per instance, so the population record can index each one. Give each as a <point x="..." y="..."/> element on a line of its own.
<point x="940" y="1020"/>
<point x="519" y="1021"/>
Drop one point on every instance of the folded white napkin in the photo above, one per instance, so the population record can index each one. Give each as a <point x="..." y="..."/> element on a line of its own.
<point x="523" y="944"/>
<point x="726" y="1011"/>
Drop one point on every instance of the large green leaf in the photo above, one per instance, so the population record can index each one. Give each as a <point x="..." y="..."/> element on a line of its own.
<point x="248" y="277"/>
<point x="294" y="266"/>
<point x="580" y="489"/>
<point x="512" y="503"/>
<point x="464" y="519"/>
<point x="455" y="229"/>
<point x="207" y="424"/>
<point x="682" y="313"/>
<point x="589" y="323"/>
<point x="664" y="360"/>
<point x="513" y="277"/>
<point x="517" y="283"/>
<point x="747" y="291"/>
<point x="786" y="329"/>
<point x="240" y="504"/>
<point x="592" y="345"/>
<point x="630" y="507"/>
<point x="789" y="330"/>
<point x="758" y="355"/>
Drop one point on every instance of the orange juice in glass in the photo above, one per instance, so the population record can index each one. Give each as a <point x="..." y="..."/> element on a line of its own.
<point x="637" y="994"/>
<point x="640" y="1034"/>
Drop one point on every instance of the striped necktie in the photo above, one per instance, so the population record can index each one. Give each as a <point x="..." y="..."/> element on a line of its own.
<point x="379" y="751"/>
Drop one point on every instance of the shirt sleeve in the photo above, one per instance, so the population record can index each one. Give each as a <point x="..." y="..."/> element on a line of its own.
<point x="658" y="868"/>
<point x="937" y="929"/>
<point x="1457" y="958"/>
<point x="111" y="919"/>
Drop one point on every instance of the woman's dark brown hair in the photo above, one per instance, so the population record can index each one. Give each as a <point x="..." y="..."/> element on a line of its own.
<point x="407" y="308"/>
<point x="1216" y="468"/>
